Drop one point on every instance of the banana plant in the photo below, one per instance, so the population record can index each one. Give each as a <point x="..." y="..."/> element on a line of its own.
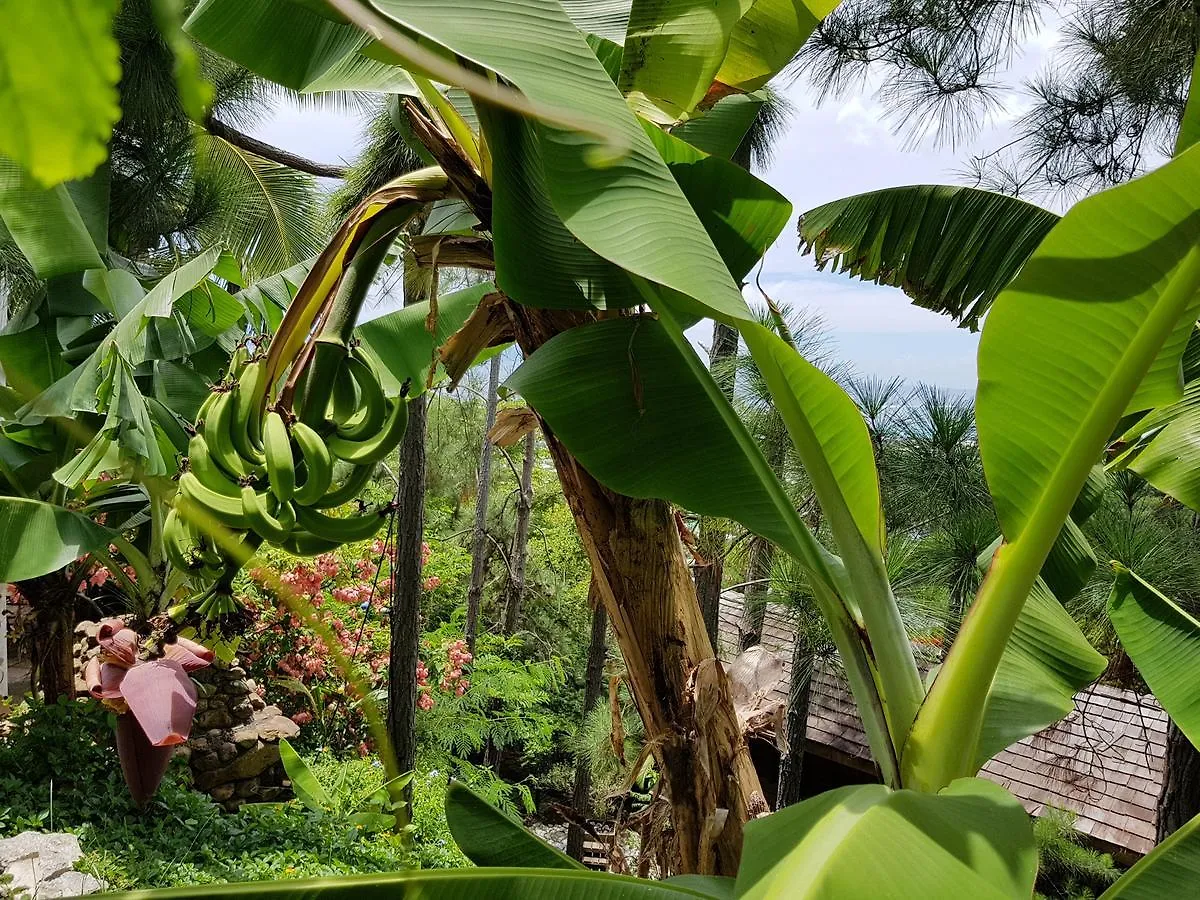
<point x="610" y="236"/>
<point x="624" y="215"/>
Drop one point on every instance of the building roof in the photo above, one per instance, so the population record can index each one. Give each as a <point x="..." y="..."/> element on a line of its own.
<point x="1104" y="762"/>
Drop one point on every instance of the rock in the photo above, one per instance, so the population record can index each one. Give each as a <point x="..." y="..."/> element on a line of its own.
<point x="272" y="711"/>
<point x="206" y="762"/>
<point x="221" y="792"/>
<point x="257" y="702"/>
<point x="204" y="690"/>
<point x="214" y="718"/>
<point x="247" y="789"/>
<point x="237" y="671"/>
<point x="271" y="794"/>
<point x="227" y="751"/>
<point x="274" y="728"/>
<point x="88" y="630"/>
<point x="184" y="752"/>
<point x="42" y="865"/>
<point x="248" y="765"/>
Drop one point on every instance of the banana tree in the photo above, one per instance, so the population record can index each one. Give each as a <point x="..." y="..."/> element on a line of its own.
<point x="636" y="235"/>
<point x="102" y="368"/>
<point x="624" y="215"/>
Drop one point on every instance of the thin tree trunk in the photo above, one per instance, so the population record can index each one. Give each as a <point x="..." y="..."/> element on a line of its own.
<point x="791" y="764"/>
<point x="681" y="690"/>
<point x="520" y="548"/>
<point x="581" y="798"/>
<point x="483" y="491"/>
<point x="51" y="600"/>
<point x="406" y="569"/>
<point x="754" y="607"/>
<point x="711" y="545"/>
<point x="1179" y="799"/>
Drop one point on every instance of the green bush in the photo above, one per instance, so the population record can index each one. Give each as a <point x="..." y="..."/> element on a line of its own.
<point x="59" y="769"/>
<point x="1067" y="870"/>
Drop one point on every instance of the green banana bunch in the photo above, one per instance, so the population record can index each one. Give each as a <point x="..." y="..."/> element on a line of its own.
<point x="262" y="471"/>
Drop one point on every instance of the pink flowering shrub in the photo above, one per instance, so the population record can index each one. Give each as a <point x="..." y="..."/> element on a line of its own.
<point x="351" y="591"/>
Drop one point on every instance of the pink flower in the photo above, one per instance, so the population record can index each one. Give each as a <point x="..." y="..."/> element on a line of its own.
<point x="302" y="718"/>
<point x="366" y="569"/>
<point x="363" y="749"/>
<point x="328" y="565"/>
<point x="99" y="576"/>
<point x="425" y="701"/>
<point x="351" y="596"/>
<point x="379" y="548"/>
<point x="426" y="552"/>
<point x="431" y="583"/>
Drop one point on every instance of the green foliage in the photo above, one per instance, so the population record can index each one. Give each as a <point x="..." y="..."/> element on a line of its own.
<point x="58" y="94"/>
<point x="593" y="741"/>
<point x="504" y="705"/>
<point x="1067" y="869"/>
<point x="490" y="838"/>
<point x="182" y="838"/>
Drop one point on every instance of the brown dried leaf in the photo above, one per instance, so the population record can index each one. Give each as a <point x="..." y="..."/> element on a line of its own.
<point x="488" y="326"/>
<point x="512" y="424"/>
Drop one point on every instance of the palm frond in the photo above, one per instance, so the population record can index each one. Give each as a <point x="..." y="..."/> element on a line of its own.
<point x="951" y="249"/>
<point x="269" y="216"/>
<point x="385" y="155"/>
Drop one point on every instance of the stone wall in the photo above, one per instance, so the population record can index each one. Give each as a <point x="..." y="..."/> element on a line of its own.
<point x="234" y="749"/>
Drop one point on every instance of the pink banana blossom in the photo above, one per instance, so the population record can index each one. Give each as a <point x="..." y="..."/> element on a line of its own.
<point x="154" y="699"/>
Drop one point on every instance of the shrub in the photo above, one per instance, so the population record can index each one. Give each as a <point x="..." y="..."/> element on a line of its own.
<point x="1067" y="870"/>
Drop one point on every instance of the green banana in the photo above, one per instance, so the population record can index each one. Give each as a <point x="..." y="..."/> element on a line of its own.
<point x="208" y="473"/>
<point x="379" y="445"/>
<point x="320" y="377"/>
<point x="318" y="465"/>
<point x="217" y="430"/>
<point x="226" y="510"/>
<point x="247" y="416"/>
<point x="349" y="489"/>
<point x="179" y="543"/>
<point x="277" y="446"/>
<point x="372" y="404"/>
<point x="305" y="543"/>
<point x="344" y="401"/>
<point x="237" y="361"/>
<point x="273" y="528"/>
<point x="344" y="531"/>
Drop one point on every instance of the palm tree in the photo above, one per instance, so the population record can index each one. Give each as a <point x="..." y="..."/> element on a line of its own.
<point x="755" y="151"/>
<point x="757" y="409"/>
<point x="1154" y="536"/>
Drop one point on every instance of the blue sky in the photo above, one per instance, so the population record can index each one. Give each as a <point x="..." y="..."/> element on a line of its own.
<point x="841" y="148"/>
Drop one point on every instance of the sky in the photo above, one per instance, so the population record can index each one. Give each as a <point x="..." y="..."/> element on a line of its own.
<point x="840" y="148"/>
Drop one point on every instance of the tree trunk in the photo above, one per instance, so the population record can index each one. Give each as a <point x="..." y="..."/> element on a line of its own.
<point x="711" y="545"/>
<point x="516" y="592"/>
<point x="758" y="576"/>
<point x="479" y="553"/>
<point x="592" y="686"/>
<point x="1179" y="799"/>
<point x="791" y="763"/>
<point x="51" y="639"/>
<point x="681" y="690"/>
<point x="406" y="569"/>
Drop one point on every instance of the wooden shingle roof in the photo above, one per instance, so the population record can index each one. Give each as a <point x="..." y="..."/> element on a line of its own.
<point x="1104" y="762"/>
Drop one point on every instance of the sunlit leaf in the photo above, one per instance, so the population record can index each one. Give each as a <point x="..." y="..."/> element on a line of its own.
<point x="59" y="66"/>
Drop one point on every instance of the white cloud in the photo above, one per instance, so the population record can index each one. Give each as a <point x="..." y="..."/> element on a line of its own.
<point x="863" y="122"/>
